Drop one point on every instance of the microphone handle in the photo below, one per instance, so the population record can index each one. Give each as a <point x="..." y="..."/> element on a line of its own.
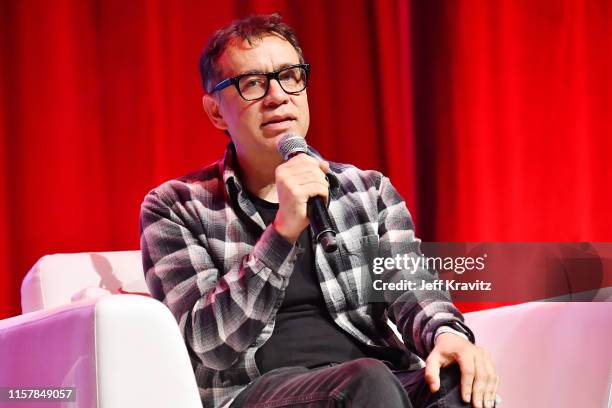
<point x="321" y="224"/>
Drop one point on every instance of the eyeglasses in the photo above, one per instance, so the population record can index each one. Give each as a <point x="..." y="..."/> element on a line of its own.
<point x="292" y="79"/>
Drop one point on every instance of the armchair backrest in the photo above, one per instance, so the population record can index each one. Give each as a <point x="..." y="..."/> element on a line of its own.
<point x="56" y="279"/>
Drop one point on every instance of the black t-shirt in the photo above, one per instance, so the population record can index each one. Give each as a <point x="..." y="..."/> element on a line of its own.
<point x="304" y="333"/>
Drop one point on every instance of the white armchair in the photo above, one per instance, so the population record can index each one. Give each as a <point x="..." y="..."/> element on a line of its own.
<point x="126" y="350"/>
<point x="116" y="351"/>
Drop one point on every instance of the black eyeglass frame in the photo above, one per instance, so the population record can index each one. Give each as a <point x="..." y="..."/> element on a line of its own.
<point x="269" y="76"/>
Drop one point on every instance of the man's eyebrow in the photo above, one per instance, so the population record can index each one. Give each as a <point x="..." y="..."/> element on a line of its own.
<point x="285" y="65"/>
<point x="257" y="71"/>
<point x="251" y="71"/>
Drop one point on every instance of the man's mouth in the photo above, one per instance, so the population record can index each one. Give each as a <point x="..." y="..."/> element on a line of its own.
<point x="278" y="119"/>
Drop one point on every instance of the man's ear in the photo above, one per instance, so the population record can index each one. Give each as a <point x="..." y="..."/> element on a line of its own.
<point x="211" y="107"/>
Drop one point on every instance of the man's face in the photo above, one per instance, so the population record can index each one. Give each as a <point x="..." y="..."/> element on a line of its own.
<point x="256" y="126"/>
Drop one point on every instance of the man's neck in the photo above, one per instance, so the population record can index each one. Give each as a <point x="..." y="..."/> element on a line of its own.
<point x="257" y="175"/>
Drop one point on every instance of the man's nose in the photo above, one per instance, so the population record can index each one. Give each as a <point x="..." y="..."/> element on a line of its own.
<point x="276" y="94"/>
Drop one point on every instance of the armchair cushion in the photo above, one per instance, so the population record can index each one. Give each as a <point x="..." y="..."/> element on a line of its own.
<point x="55" y="279"/>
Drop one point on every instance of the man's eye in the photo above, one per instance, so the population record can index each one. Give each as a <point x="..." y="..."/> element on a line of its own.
<point x="252" y="82"/>
<point x="289" y="76"/>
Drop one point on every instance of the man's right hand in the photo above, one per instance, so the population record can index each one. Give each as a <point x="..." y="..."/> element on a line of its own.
<point x="298" y="179"/>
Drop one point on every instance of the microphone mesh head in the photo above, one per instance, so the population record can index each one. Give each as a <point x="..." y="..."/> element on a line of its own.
<point x="291" y="144"/>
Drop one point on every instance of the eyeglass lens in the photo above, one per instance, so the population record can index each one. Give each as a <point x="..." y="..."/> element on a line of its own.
<point x="254" y="86"/>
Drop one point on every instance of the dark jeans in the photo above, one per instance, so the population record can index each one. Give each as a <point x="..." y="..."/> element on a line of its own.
<point x="364" y="382"/>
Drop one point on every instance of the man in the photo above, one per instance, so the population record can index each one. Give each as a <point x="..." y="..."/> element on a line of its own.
<point x="269" y="318"/>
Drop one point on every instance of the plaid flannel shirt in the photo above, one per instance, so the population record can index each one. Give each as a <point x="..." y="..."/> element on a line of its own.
<point x="209" y="257"/>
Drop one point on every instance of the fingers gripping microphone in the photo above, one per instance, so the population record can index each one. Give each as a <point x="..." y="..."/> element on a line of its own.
<point x="289" y="146"/>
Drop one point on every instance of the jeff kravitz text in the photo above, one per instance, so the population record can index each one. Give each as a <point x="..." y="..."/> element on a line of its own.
<point x="438" y="284"/>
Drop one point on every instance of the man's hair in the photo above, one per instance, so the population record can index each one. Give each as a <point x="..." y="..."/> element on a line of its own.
<point x="251" y="29"/>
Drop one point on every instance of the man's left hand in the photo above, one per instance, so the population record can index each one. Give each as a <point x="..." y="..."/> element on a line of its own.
<point x="479" y="379"/>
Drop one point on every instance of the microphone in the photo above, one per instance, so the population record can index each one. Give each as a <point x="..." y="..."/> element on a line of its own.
<point x="289" y="146"/>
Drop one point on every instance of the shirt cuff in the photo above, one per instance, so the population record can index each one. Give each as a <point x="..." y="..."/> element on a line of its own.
<point x="447" y="329"/>
<point x="275" y="252"/>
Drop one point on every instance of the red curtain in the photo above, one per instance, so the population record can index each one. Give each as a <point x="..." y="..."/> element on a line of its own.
<point x="491" y="117"/>
<point x="514" y="111"/>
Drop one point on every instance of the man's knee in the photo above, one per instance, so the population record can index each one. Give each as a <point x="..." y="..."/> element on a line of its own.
<point x="369" y="382"/>
<point x="450" y="381"/>
<point x="450" y="376"/>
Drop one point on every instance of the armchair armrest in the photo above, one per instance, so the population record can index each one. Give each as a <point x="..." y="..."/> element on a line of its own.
<point x="553" y="354"/>
<point x="117" y="351"/>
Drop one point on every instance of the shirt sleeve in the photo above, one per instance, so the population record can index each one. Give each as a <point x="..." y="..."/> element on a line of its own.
<point x="417" y="314"/>
<point x="219" y="314"/>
